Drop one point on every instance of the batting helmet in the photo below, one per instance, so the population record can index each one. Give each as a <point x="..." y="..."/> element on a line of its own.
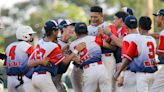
<point x="24" y="32"/>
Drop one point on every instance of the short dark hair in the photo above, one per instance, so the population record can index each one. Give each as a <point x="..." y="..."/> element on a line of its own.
<point x="81" y="28"/>
<point x="96" y="9"/>
<point x="145" y="22"/>
<point x="122" y="15"/>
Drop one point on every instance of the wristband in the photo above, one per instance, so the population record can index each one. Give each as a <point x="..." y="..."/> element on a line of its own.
<point x="110" y="34"/>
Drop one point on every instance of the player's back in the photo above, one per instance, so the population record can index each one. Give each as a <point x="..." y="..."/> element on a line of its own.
<point x="17" y="55"/>
<point x="47" y="49"/>
<point x="145" y="60"/>
<point x="92" y="52"/>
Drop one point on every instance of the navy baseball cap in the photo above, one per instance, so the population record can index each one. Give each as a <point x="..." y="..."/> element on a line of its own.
<point x="51" y="25"/>
<point x="65" y="23"/>
<point x="159" y="13"/>
<point x="131" y="22"/>
<point x="81" y="26"/>
<point x="128" y="10"/>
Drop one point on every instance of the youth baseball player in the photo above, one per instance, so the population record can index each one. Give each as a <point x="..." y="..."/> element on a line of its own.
<point x="158" y="85"/>
<point x="96" y="19"/>
<point x="48" y="49"/>
<point x="17" y="55"/>
<point x="94" y="72"/>
<point x="67" y="31"/>
<point x="139" y="54"/>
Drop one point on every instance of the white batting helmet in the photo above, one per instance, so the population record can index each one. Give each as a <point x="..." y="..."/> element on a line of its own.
<point x="23" y="33"/>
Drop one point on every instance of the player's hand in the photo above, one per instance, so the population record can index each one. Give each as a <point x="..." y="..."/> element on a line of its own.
<point x="66" y="47"/>
<point x="45" y="61"/>
<point x="120" y="81"/>
<point x="107" y="30"/>
<point x="100" y="31"/>
<point x="116" y="75"/>
<point x="80" y="46"/>
<point x="77" y="60"/>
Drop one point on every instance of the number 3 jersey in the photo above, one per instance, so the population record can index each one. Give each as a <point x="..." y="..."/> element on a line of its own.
<point x="47" y="49"/>
<point x="17" y="56"/>
<point x="92" y="52"/>
<point x="140" y="50"/>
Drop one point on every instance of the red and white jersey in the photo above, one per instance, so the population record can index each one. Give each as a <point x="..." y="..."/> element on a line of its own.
<point x="120" y="33"/>
<point x="141" y="50"/>
<point x="93" y="30"/>
<point x="92" y="52"/>
<point x="47" y="49"/>
<point x="161" y="42"/>
<point x="18" y="53"/>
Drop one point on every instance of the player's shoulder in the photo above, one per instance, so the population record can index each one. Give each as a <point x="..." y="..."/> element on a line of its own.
<point x="24" y="43"/>
<point x="162" y="32"/>
<point x="131" y="36"/>
<point x="149" y="38"/>
<point x="11" y="44"/>
<point x="47" y="43"/>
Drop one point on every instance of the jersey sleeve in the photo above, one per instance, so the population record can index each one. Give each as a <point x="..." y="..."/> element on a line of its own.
<point x="56" y="56"/>
<point x="113" y="30"/>
<point x="124" y="31"/>
<point x="161" y="44"/>
<point x="125" y="47"/>
<point x="132" y="51"/>
<point x="30" y="50"/>
<point x="99" y="41"/>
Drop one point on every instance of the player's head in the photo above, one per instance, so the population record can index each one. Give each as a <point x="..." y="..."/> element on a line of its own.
<point x="96" y="15"/>
<point x="24" y="33"/>
<point x="119" y="18"/>
<point x="128" y="10"/>
<point x="66" y="25"/>
<point x="51" y="28"/>
<point x="160" y="18"/>
<point x="131" y="22"/>
<point x="67" y="28"/>
<point x="144" y="23"/>
<point x="81" y="28"/>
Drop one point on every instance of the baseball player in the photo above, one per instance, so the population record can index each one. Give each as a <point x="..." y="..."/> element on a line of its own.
<point x="118" y="30"/>
<point x="67" y="30"/>
<point x="96" y="21"/>
<point x="17" y="55"/>
<point x="139" y="54"/>
<point x="91" y="60"/>
<point x="48" y="49"/>
<point x="158" y="85"/>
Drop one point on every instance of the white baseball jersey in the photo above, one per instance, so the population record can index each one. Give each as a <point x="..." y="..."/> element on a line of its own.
<point x="17" y="54"/>
<point x="93" y="30"/>
<point x="92" y="52"/>
<point x="48" y="49"/>
<point x="140" y="50"/>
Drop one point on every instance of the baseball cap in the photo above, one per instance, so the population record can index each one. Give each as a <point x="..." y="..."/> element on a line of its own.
<point x="159" y="13"/>
<point x="80" y="27"/>
<point x="131" y="22"/>
<point x="128" y="10"/>
<point x="65" y="23"/>
<point x="50" y="26"/>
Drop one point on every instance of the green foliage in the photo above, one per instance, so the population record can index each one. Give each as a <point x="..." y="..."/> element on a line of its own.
<point x="59" y="10"/>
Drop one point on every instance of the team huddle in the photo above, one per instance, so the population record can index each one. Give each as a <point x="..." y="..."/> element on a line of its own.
<point x="117" y="57"/>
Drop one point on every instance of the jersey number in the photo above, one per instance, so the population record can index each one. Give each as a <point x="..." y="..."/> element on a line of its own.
<point x="151" y="54"/>
<point x="12" y="52"/>
<point x="39" y="52"/>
